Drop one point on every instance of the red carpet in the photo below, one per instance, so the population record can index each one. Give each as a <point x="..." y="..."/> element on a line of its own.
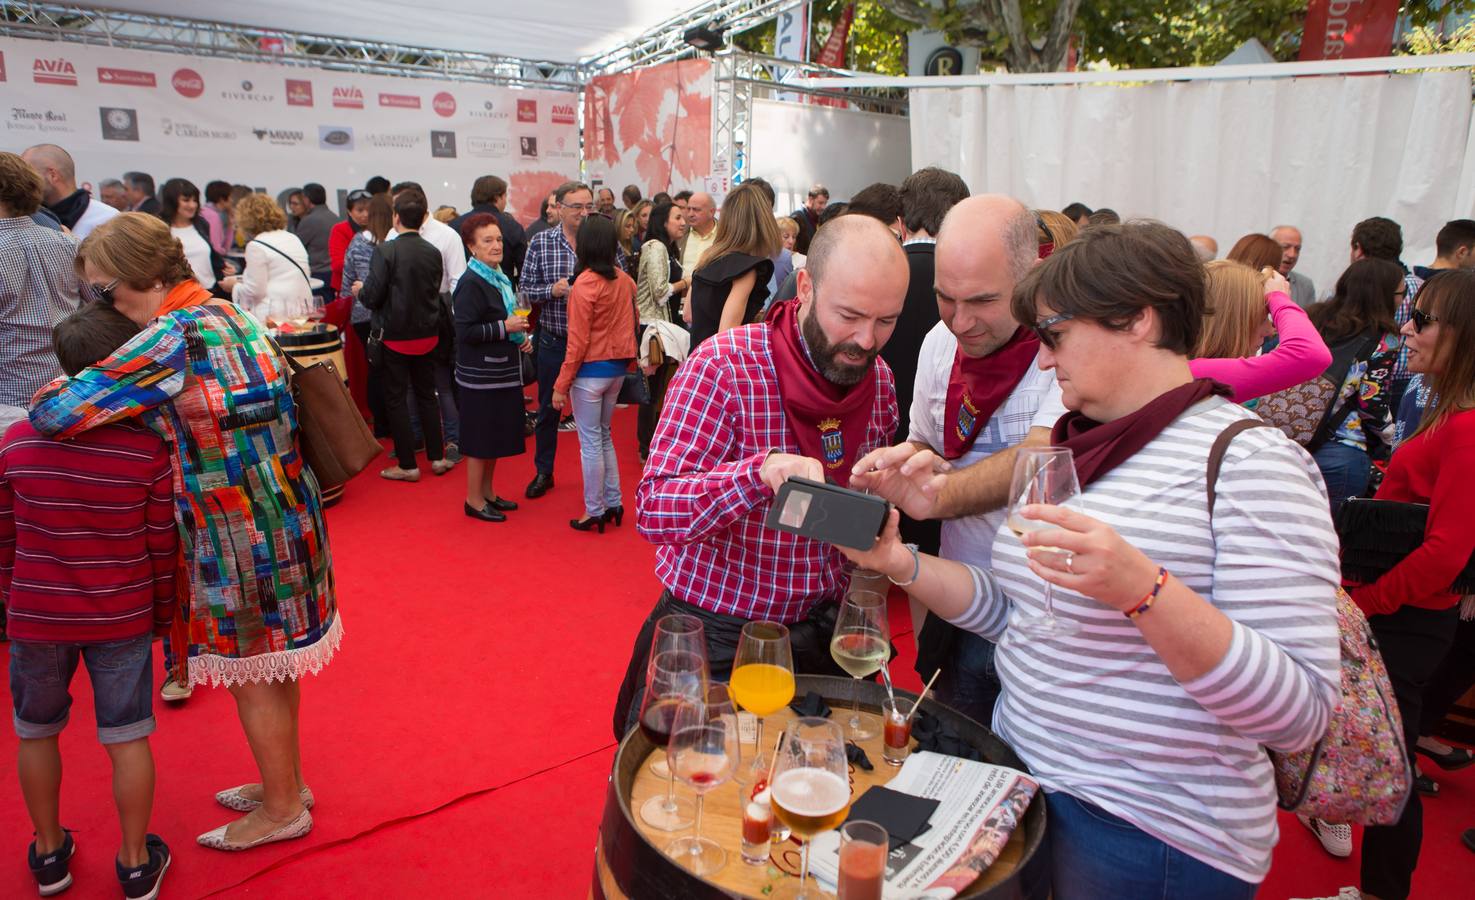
<point x="459" y="745"/>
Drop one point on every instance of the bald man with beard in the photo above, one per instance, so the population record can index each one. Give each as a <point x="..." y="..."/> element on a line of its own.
<point x="74" y="207"/>
<point x="979" y="396"/>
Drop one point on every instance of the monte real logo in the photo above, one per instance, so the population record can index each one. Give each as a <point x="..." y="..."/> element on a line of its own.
<point x="129" y="77"/>
<point x="188" y="83"/>
<point x="299" y="92"/>
<point x="54" y="71"/>
<point x="248" y="93"/>
<point x="22" y="119"/>
<point x="335" y="137"/>
<point x="400" y="101"/>
<point x="348" y="98"/>
<point x="118" y="124"/>
<point x="285" y="137"/>
<point x="443" y="144"/>
<point x="444" y="104"/>
<point x="527" y="110"/>
<point x="563" y="114"/>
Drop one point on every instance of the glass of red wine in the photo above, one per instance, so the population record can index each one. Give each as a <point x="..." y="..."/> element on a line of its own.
<point x="703" y="752"/>
<point x="674" y="676"/>
<point x="674" y="632"/>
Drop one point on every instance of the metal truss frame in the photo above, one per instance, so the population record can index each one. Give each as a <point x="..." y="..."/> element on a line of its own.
<point x="177" y="34"/>
<point x="666" y="41"/>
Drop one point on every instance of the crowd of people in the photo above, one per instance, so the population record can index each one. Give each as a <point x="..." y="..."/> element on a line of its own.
<point x="909" y="341"/>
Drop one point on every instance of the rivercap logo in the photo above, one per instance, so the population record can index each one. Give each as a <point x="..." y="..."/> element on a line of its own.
<point x="488" y="110"/>
<point x="563" y="114"/>
<point x="129" y="77"/>
<point x="527" y="110"/>
<point x="299" y="92"/>
<point x="188" y="83"/>
<point x="282" y="136"/>
<point x="483" y="146"/>
<point x="443" y="144"/>
<point x="529" y="146"/>
<point x="118" y="124"/>
<point x="400" y="101"/>
<point x="54" y="71"/>
<point x="334" y="137"/>
<point x="445" y="104"/>
<point x="348" y="98"/>
<point x="248" y="92"/>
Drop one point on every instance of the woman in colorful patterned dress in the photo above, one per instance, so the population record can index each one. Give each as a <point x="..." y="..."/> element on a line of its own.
<point x="258" y="603"/>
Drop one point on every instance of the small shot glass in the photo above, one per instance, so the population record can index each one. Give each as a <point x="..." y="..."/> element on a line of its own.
<point x="896" y="733"/>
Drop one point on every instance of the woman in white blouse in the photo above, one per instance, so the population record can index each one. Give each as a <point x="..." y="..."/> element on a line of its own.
<point x="275" y="286"/>
<point x="179" y="207"/>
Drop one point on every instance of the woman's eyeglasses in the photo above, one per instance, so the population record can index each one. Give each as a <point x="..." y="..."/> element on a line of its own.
<point x="1042" y="328"/>
<point x="1421" y="319"/>
<point x="104" y="292"/>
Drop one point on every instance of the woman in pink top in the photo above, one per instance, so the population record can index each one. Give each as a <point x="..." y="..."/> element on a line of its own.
<point x="1236" y="326"/>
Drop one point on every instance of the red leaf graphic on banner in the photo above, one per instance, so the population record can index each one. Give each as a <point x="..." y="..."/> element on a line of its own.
<point x="526" y="191"/>
<point x="636" y="105"/>
<point x="599" y="133"/>
<point x="693" y="157"/>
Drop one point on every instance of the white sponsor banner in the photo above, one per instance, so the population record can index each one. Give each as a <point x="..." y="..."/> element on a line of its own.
<point x="275" y="126"/>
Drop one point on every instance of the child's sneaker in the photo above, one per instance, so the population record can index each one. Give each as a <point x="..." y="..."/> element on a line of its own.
<point x="51" y="871"/>
<point x="142" y="882"/>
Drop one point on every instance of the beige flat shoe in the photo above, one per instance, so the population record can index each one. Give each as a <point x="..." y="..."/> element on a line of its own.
<point x="298" y="827"/>
<point x="233" y="798"/>
<point x="395" y="473"/>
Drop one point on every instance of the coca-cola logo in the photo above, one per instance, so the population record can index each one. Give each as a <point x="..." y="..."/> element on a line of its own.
<point x="299" y="92"/>
<point x="563" y="114"/>
<point x="445" y="104"/>
<point x="54" y="71"/>
<point x="527" y="110"/>
<point x="348" y="98"/>
<point x="188" y="83"/>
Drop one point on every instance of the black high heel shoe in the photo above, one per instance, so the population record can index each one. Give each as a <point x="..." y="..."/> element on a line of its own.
<point x="588" y="524"/>
<point x="615" y="514"/>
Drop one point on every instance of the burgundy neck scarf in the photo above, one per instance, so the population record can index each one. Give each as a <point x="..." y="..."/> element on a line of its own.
<point x="1099" y="447"/>
<point x="978" y="386"/>
<point x="828" y="420"/>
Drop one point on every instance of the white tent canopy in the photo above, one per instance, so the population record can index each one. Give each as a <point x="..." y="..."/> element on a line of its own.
<point x="555" y="30"/>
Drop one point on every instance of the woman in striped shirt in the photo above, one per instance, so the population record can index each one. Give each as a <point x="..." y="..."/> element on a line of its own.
<point x="1202" y="638"/>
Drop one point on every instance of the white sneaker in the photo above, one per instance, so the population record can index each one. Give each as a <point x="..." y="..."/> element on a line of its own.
<point x="174" y="692"/>
<point x="1335" y="839"/>
<point x="1346" y="893"/>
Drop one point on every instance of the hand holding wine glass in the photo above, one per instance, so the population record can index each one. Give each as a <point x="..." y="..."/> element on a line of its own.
<point x="1042" y="475"/>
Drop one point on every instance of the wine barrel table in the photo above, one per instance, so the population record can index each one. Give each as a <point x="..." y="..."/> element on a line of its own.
<point x="630" y="860"/>
<point x="317" y="343"/>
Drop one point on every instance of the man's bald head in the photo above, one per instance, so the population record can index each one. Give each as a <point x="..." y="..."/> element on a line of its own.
<point x="56" y="168"/>
<point x="850" y="241"/>
<point x="701" y="211"/>
<point x="986" y="245"/>
<point x="852" y="290"/>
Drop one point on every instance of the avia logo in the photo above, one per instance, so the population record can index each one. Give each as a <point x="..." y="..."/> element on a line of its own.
<point x="188" y="83"/>
<point x="444" y="104"/>
<point x="348" y="98"/>
<point x="54" y="71"/>
<point x="130" y="77"/>
<point x="527" y="110"/>
<point x="400" y="101"/>
<point x="299" y="93"/>
<point x="563" y="114"/>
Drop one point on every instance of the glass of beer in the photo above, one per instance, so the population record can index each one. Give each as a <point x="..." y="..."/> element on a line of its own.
<point x="763" y="671"/>
<point x="811" y="790"/>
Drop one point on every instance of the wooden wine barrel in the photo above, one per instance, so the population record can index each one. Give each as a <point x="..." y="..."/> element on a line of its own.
<point x="630" y="861"/>
<point x="317" y="343"/>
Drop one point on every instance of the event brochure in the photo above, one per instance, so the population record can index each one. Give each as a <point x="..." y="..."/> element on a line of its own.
<point x="981" y="805"/>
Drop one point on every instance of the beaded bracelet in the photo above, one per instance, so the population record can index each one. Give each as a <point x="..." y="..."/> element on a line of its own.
<point x="1146" y="604"/>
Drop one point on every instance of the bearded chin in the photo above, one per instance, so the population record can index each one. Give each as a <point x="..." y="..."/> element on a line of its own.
<point x="824" y="353"/>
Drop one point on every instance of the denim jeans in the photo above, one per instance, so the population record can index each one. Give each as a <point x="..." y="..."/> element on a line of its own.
<point x="551" y="351"/>
<point x="1095" y="854"/>
<point x="1345" y="470"/>
<point x="593" y="401"/>
<point x="122" y="687"/>
<point x="969" y="682"/>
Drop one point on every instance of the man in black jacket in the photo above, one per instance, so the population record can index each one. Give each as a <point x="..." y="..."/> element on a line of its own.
<point x="489" y="195"/>
<point x="808" y="216"/>
<point x="403" y="291"/>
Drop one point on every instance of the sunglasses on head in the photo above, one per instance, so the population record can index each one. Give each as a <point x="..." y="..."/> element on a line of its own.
<point x="1421" y="319"/>
<point x="1042" y="328"/>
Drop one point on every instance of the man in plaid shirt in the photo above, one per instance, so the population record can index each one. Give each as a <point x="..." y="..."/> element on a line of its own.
<point x="802" y="394"/>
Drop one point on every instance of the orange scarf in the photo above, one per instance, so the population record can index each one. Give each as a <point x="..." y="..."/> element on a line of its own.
<point x="186" y="293"/>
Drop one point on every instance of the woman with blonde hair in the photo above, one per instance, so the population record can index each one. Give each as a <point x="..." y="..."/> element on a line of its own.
<point x="626" y="230"/>
<point x="1054" y="230"/>
<point x="1239" y="309"/>
<point x="731" y="279"/>
<point x="275" y="287"/>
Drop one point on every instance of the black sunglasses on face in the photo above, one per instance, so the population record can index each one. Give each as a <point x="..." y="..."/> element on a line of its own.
<point x="1421" y="319"/>
<point x="1042" y="328"/>
<point x="104" y="292"/>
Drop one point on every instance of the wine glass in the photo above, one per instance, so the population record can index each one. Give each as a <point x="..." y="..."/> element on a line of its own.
<point x="674" y="676"/>
<point x="677" y="631"/>
<point x="763" y="671"/>
<point x="811" y="789"/>
<point x="861" y="645"/>
<point x="703" y="753"/>
<point x="1042" y="475"/>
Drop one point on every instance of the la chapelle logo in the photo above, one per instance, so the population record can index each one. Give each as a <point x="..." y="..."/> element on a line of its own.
<point x="54" y="71"/>
<point x="280" y="136"/>
<point x="188" y="83"/>
<point x="527" y="111"/>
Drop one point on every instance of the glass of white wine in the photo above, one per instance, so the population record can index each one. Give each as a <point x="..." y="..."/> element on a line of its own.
<point x="1042" y="475"/>
<point x="860" y="645"/>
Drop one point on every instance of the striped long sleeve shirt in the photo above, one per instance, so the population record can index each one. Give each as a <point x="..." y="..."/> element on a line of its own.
<point x="1099" y="716"/>
<point x="88" y="542"/>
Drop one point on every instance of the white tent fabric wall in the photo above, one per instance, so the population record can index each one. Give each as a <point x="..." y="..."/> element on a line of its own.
<point x="794" y="145"/>
<point x="1222" y="158"/>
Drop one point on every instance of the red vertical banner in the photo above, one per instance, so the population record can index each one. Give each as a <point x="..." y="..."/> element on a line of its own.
<point x="832" y="54"/>
<point x="1349" y="29"/>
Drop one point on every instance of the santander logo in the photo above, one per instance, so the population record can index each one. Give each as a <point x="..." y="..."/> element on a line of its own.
<point x="445" y="104"/>
<point x="188" y="83"/>
<point x="54" y="71"/>
<point x="348" y="98"/>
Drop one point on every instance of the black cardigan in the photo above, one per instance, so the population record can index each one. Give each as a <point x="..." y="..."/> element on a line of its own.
<point x="403" y="288"/>
<point x="485" y="357"/>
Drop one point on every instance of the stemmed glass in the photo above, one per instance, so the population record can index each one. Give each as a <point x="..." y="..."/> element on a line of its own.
<point x="811" y="789"/>
<point x="763" y="671"/>
<point x="704" y="753"/>
<point x="861" y="645"/>
<point x="675" y="676"/>
<point x="1042" y="475"/>
<point x="677" y="631"/>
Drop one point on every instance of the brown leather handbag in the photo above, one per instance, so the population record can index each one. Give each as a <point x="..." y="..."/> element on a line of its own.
<point x="335" y="441"/>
